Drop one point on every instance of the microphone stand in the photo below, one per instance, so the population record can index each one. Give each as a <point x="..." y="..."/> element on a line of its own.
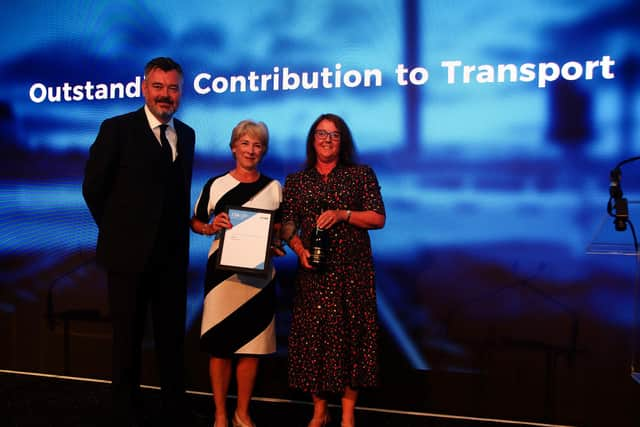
<point x="618" y="208"/>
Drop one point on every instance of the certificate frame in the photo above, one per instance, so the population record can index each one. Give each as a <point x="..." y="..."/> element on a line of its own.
<point x="245" y="247"/>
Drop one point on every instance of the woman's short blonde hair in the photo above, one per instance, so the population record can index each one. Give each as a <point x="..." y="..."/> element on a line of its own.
<point x="257" y="130"/>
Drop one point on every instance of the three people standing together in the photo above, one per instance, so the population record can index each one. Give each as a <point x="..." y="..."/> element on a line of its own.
<point x="137" y="186"/>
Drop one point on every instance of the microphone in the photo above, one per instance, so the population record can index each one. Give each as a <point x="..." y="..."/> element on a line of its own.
<point x="615" y="191"/>
<point x="620" y="207"/>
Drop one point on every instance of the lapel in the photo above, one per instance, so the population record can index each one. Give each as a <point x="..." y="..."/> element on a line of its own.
<point x="185" y="151"/>
<point x="147" y="137"/>
<point x="151" y="145"/>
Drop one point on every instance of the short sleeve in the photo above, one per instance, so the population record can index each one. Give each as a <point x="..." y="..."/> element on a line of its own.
<point x="201" y="209"/>
<point x="371" y="196"/>
<point x="289" y="200"/>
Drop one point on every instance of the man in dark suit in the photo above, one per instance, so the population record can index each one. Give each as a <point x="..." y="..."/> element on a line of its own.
<point x="137" y="185"/>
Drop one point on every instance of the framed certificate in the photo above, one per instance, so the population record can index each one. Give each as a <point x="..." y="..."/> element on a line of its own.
<point x="244" y="248"/>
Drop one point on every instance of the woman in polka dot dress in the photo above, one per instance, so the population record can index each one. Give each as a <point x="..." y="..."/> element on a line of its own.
<point x="333" y="338"/>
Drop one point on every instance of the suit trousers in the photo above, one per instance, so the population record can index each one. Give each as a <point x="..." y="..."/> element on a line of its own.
<point x="131" y="295"/>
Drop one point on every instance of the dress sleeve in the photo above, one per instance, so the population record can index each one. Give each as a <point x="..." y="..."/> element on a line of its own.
<point x="201" y="210"/>
<point x="278" y="196"/>
<point x="371" y="197"/>
<point x="288" y="208"/>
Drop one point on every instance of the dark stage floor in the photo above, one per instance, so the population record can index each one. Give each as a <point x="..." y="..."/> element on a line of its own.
<point x="36" y="400"/>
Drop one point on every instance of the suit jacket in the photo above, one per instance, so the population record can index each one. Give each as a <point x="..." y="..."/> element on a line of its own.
<point x="123" y="189"/>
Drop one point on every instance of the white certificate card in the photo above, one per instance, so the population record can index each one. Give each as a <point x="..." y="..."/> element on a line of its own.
<point x="244" y="247"/>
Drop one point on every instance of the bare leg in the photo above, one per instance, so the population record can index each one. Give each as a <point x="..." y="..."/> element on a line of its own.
<point x="349" y="399"/>
<point x="246" y="372"/>
<point x="220" y="373"/>
<point x="320" y="411"/>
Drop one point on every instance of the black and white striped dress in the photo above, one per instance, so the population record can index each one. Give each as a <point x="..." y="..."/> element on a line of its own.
<point x="239" y="310"/>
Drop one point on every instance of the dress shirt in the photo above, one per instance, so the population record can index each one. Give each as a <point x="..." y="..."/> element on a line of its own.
<point x="154" y="123"/>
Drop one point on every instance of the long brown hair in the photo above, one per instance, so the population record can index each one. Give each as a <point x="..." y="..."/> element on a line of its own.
<point x="347" y="154"/>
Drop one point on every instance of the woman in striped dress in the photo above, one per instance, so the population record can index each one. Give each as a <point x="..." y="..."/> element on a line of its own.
<point x="238" y="320"/>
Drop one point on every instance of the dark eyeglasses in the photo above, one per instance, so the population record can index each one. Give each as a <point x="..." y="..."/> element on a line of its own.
<point x="323" y="134"/>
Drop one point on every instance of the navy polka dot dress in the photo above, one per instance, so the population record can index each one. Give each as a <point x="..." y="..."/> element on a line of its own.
<point x="333" y="337"/>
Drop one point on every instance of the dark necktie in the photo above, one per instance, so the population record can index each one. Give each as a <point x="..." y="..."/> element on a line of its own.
<point x="166" y="147"/>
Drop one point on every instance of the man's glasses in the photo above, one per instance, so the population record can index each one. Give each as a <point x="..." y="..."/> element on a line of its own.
<point x="323" y="134"/>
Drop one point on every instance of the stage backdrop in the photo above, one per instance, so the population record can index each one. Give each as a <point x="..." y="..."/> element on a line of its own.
<point x="492" y="126"/>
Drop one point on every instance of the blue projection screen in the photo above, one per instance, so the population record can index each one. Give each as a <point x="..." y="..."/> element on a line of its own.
<point x="492" y="127"/>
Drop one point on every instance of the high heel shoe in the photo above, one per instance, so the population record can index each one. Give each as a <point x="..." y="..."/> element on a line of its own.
<point x="238" y="423"/>
<point x="319" y="421"/>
